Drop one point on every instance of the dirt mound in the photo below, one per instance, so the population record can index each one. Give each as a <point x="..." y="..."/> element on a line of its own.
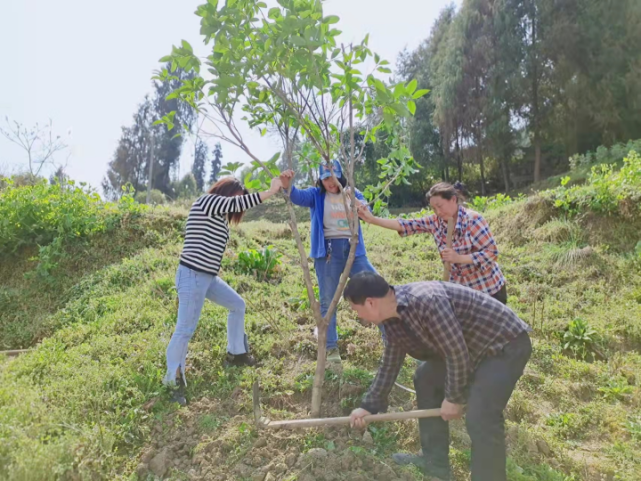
<point x="189" y="445"/>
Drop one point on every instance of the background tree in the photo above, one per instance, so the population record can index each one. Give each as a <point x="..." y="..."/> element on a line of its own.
<point x="59" y="177"/>
<point x="216" y="163"/>
<point x="539" y="80"/>
<point x="201" y="153"/>
<point x="130" y="164"/>
<point x="39" y="143"/>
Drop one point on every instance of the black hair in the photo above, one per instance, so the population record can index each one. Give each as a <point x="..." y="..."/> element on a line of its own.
<point x="365" y="284"/>
<point x="447" y="191"/>
<point x="341" y="180"/>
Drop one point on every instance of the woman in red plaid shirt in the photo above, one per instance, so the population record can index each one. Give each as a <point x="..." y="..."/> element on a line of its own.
<point x="473" y="254"/>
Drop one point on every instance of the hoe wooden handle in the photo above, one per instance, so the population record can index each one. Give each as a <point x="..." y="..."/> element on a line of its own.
<point x="311" y="423"/>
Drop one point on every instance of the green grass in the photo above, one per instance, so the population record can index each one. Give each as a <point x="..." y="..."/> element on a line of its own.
<point x="87" y="401"/>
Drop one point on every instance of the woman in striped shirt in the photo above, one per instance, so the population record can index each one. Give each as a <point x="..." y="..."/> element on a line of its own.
<point x="206" y="237"/>
<point x="473" y="254"/>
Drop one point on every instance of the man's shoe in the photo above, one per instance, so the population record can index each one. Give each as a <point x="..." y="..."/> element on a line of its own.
<point x="434" y="473"/>
<point x="238" y="360"/>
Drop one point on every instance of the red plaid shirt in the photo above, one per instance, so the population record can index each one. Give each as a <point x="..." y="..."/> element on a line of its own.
<point x="472" y="236"/>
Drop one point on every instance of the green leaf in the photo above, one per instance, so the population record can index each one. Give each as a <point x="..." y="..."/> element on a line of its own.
<point x="336" y="52"/>
<point x="186" y="46"/>
<point x="419" y="93"/>
<point x="411" y="106"/>
<point x="261" y="5"/>
<point x="299" y="41"/>
<point x="384" y="70"/>
<point x="263" y="132"/>
<point x="274" y="158"/>
<point x="411" y="87"/>
<point x="331" y="19"/>
<point x="274" y="13"/>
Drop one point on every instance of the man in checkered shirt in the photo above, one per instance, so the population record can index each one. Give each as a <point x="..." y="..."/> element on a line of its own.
<point x="474" y="350"/>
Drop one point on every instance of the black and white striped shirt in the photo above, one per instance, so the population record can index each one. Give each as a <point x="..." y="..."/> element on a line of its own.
<point x="207" y="230"/>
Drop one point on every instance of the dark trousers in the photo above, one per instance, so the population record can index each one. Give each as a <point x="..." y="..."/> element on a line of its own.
<point x="501" y="295"/>
<point x="490" y="389"/>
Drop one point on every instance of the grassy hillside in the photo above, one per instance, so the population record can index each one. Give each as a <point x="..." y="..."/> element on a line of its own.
<point x="87" y="404"/>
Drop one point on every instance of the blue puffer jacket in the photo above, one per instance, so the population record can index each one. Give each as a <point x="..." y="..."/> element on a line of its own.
<point x="315" y="200"/>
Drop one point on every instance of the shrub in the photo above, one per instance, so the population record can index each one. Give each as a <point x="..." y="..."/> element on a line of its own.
<point x="606" y="190"/>
<point x="48" y="216"/>
<point x="155" y="197"/>
<point x="481" y="204"/>
<point x="263" y="264"/>
<point x="301" y="303"/>
<point x="616" y="389"/>
<point x="579" y="338"/>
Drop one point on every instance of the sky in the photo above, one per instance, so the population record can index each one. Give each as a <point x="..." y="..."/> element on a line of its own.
<point x="87" y="66"/>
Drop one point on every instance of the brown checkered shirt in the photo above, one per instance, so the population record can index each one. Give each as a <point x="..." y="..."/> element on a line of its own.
<point x="446" y="320"/>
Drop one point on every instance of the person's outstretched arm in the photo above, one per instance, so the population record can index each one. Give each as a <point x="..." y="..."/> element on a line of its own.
<point x="304" y="197"/>
<point x="367" y="216"/>
<point x="213" y="204"/>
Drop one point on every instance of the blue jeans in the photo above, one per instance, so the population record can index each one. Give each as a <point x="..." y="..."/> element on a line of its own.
<point x="328" y="272"/>
<point x="193" y="287"/>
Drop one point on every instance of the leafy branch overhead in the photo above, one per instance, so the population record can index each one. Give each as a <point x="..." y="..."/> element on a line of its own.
<point x="284" y="66"/>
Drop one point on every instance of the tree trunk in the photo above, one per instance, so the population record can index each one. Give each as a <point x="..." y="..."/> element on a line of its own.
<point x="535" y="103"/>
<point x="459" y="159"/>
<point x="506" y="174"/>
<point x="537" y="157"/>
<point x="319" y="375"/>
<point x="479" y="147"/>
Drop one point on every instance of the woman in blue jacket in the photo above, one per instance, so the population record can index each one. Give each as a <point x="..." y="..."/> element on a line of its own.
<point x="330" y="239"/>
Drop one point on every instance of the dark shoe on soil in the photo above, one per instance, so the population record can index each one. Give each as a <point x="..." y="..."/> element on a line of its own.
<point x="245" y="359"/>
<point x="432" y="472"/>
<point x="177" y="392"/>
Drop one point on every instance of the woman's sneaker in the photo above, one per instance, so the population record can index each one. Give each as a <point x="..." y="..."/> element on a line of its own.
<point x="240" y="360"/>
<point x="177" y="392"/>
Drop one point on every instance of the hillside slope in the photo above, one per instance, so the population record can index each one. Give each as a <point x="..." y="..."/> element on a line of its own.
<point x="87" y="404"/>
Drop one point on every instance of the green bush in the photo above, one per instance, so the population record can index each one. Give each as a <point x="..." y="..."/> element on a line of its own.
<point x="155" y="197"/>
<point x="481" y="204"/>
<point x="301" y="303"/>
<point x="579" y="338"/>
<point x="607" y="190"/>
<point x="48" y="216"/>
<point x="604" y="155"/>
<point x="263" y="264"/>
<point x="616" y="389"/>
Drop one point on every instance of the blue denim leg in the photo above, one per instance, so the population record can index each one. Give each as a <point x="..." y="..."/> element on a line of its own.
<point x="223" y="295"/>
<point x="192" y="288"/>
<point x="327" y="284"/>
<point x="328" y="272"/>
